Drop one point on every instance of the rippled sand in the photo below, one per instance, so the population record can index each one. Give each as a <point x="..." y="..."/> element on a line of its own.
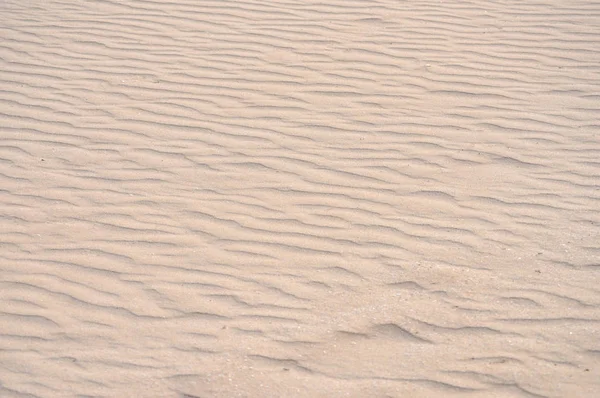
<point x="299" y="198"/>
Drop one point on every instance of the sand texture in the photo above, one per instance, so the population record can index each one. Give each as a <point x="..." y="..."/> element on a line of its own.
<point x="299" y="198"/>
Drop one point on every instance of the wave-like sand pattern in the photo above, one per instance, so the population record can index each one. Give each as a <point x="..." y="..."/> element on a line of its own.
<point x="300" y="198"/>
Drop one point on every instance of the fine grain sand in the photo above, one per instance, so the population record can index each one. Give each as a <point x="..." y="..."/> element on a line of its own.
<point x="299" y="198"/>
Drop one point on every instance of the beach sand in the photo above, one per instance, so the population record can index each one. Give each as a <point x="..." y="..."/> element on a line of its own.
<point x="299" y="198"/>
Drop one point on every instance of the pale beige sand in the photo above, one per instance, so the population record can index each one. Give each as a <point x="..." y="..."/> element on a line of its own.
<point x="300" y="198"/>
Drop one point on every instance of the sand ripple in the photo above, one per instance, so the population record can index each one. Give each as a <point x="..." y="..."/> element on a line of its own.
<point x="299" y="198"/>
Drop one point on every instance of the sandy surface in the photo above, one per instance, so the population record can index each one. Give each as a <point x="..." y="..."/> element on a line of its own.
<point x="299" y="198"/>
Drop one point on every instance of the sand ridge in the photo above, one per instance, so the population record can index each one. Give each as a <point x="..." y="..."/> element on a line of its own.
<point x="299" y="198"/>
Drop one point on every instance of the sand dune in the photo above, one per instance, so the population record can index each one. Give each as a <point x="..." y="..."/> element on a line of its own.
<point x="299" y="198"/>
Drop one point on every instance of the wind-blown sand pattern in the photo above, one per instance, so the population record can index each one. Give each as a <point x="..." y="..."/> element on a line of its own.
<point x="300" y="198"/>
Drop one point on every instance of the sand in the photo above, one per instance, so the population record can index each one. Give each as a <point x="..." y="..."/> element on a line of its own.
<point x="299" y="198"/>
